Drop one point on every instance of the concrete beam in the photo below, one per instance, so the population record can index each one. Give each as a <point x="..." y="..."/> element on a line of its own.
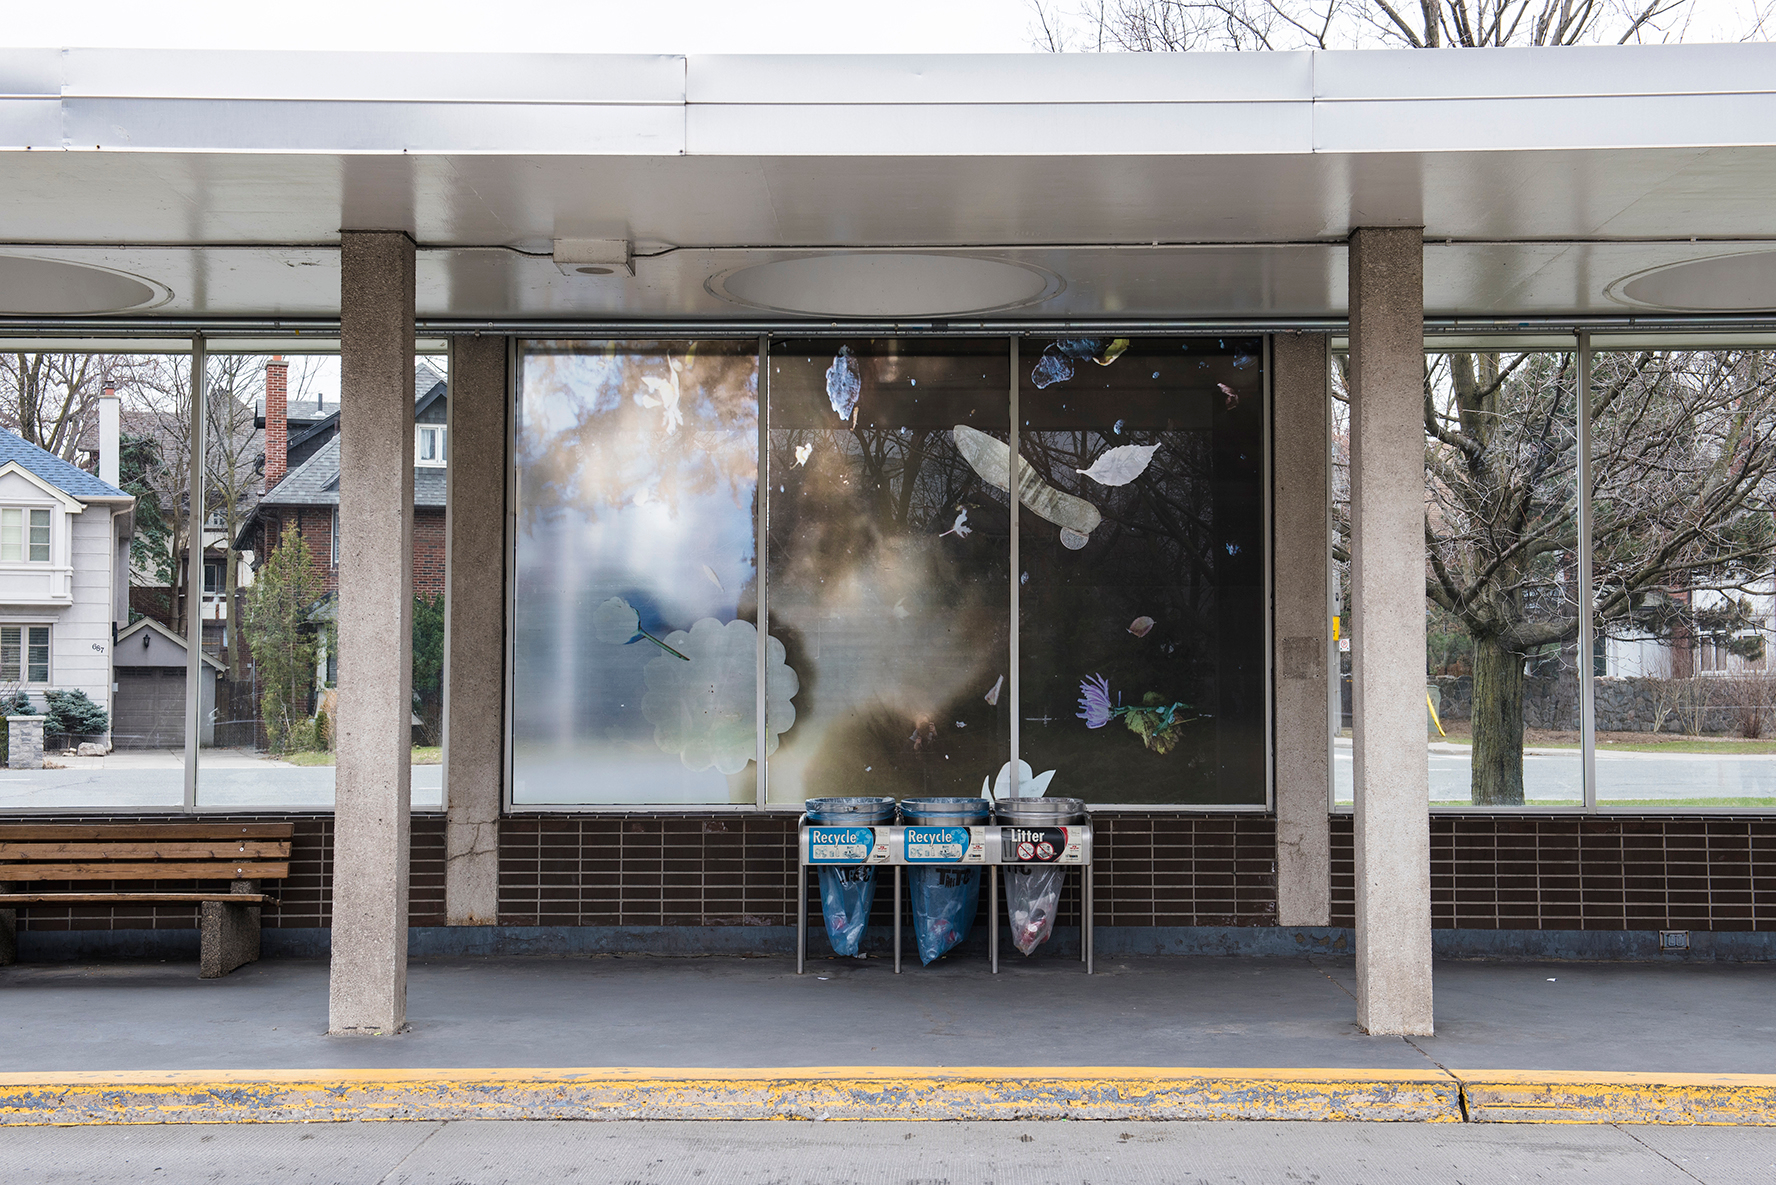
<point x="367" y="989"/>
<point x="1300" y="366"/>
<point x="1393" y="839"/>
<point x="475" y="630"/>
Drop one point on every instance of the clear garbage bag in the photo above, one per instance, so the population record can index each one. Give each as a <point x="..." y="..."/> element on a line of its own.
<point x="1032" y="897"/>
<point x="944" y="905"/>
<point x="846" y="894"/>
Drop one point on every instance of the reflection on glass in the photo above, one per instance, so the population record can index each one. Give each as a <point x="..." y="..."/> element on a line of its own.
<point x="1343" y="758"/>
<point x="1501" y="485"/>
<point x="1683" y="451"/>
<point x="887" y="572"/>
<point x="1141" y="543"/>
<point x="635" y="665"/>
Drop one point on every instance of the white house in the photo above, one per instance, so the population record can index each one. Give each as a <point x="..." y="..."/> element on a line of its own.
<point x="64" y="573"/>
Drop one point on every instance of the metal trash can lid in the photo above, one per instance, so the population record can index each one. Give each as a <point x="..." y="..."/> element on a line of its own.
<point x="1039" y="812"/>
<point x="963" y="810"/>
<point x="844" y="811"/>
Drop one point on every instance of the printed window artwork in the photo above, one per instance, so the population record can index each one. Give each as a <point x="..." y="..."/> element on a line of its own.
<point x="883" y="474"/>
<point x="24" y="654"/>
<point x="24" y="535"/>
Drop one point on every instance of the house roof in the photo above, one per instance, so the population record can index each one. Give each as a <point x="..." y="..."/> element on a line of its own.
<point x="315" y="482"/>
<point x="70" y="479"/>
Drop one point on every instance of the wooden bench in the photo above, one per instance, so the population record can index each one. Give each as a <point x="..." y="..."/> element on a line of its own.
<point x="243" y="854"/>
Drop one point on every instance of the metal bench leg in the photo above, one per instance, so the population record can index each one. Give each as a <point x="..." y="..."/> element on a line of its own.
<point x="8" y="931"/>
<point x="229" y="936"/>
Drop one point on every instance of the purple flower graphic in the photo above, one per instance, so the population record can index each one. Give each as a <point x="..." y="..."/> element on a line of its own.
<point x="1094" y="701"/>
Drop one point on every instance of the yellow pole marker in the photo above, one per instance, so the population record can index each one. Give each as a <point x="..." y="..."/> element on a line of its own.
<point x="1433" y="708"/>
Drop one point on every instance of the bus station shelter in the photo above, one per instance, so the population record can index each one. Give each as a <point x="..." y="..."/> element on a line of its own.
<point x="728" y="342"/>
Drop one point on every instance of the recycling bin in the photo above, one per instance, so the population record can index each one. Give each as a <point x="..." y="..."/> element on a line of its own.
<point x="944" y="899"/>
<point x="1033" y="887"/>
<point x="847" y="891"/>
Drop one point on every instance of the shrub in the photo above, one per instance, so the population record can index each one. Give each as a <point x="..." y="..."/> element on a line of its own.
<point x="74" y="714"/>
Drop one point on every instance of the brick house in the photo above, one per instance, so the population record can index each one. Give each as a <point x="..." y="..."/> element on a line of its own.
<point x="302" y="476"/>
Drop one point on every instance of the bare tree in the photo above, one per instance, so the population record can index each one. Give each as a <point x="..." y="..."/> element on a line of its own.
<point x="232" y="450"/>
<point x="50" y="400"/>
<point x="1161" y="26"/>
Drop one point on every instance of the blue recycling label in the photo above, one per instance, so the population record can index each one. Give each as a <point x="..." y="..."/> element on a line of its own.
<point x="840" y="845"/>
<point x="936" y="845"/>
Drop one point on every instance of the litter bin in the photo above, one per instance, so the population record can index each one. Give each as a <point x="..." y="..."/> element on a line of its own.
<point x="1033" y="891"/>
<point x="944" y="899"/>
<point x="847" y="891"/>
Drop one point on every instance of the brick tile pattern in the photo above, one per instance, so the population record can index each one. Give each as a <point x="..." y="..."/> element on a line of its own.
<point x="1503" y="872"/>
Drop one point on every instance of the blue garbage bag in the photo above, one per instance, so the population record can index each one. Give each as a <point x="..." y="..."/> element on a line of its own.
<point x="846" y="894"/>
<point x="944" y="904"/>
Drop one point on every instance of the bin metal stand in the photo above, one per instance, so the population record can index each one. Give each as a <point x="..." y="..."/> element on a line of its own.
<point x="989" y="868"/>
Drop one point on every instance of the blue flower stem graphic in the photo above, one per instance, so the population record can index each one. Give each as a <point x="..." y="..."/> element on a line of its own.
<point x="663" y="646"/>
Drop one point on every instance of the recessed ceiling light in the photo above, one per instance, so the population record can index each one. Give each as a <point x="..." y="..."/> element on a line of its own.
<point x="595" y="271"/>
<point x="1742" y="282"/>
<point x="886" y="284"/>
<point x="40" y="286"/>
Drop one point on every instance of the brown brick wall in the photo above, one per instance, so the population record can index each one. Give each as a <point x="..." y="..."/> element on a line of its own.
<point x="315" y="525"/>
<point x="1573" y="873"/>
<point x="1487" y="872"/>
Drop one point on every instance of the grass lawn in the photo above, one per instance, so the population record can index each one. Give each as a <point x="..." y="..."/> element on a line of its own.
<point x="422" y="755"/>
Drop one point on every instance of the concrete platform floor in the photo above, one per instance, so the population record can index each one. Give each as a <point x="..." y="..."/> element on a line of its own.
<point x="754" y="1013"/>
<point x="1055" y="1153"/>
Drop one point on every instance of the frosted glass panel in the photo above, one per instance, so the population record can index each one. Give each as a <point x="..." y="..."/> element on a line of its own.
<point x="635" y="666"/>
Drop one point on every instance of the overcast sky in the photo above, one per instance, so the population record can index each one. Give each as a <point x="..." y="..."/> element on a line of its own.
<point x="587" y="26"/>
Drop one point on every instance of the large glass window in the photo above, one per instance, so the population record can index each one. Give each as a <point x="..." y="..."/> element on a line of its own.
<point x="891" y="572"/>
<point x="24" y="654"/>
<point x="1683" y="455"/>
<point x="888" y="566"/>
<point x="635" y="639"/>
<point x="24" y="536"/>
<point x="1141" y="565"/>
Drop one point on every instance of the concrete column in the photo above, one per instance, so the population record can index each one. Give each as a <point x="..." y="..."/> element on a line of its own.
<point x="475" y="630"/>
<point x="368" y="987"/>
<point x="1300" y="366"/>
<point x="1393" y="838"/>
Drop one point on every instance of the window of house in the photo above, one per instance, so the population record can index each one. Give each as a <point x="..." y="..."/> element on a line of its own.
<point x="213" y="577"/>
<point x="24" y="653"/>
<point x="333" y="539"/>
<point x="428" y="444"/>
<point x="24" y="535"/>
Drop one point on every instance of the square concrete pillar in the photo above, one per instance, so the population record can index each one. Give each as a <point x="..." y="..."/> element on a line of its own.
<point x="373" y="795"/>
<point x="1300" y="370"/>
<point x="475" y="630"/>
<point x="1393" y="837"/>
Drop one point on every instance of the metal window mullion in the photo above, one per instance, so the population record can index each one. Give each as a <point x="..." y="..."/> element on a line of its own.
<point x="1014" y="783"/>
<point x="1587" y="595"/>
<point x="761" y="542"/>
<point x="194" y="571"/>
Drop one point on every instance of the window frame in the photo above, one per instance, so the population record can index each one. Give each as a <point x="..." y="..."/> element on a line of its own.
<point x="1014" y="341"/>
<point x="24" y="518"/>
<point x="441" y="440"/>
<point x="25" y="646"/>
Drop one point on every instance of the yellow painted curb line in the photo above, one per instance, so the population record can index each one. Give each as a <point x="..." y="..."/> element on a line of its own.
<point x="893" y="1093"/>
<point x="1509" y="1096"/>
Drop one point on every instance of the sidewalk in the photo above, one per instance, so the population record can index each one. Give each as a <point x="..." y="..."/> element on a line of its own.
<point x="742" y="1038"/>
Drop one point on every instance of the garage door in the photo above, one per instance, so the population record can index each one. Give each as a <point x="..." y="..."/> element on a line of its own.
<point x="150" y="710"/>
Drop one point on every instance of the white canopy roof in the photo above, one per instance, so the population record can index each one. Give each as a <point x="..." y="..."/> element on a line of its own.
<point x="1132" y="186"/>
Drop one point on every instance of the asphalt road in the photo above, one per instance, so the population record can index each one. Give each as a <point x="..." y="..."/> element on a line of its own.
<point x="1553" y="775"/>
<point x="887" y="1153"/>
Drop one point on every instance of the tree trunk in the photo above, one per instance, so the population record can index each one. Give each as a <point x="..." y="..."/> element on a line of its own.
<point x="1497" y="718"/>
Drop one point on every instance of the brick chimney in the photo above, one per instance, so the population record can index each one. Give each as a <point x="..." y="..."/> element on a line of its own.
<point x="277" y="420"/>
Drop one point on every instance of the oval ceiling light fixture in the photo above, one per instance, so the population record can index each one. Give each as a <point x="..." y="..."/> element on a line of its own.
<point x="1745" y="282"/>
<point x="885" y="284"/>
<point x="44" y="287"/>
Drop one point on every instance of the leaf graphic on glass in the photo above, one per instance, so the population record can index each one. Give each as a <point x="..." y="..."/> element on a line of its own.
<point x="1056" y="363"/>
<point x="665" y="395"/>
<point x="803" y="452"/>
<point x="706" y="712"/>
<point x="991" y="459"/>
<point x="844" y="385"/>
<point x="615" y="621"/>
<point x="1121" y="465"/>
<point x="1141" y="626"/>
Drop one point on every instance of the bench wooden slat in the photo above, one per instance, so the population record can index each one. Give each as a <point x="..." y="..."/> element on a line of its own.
<point x="112" y="898"/>
<point x="191" y="850"/>
<point x="164" y="871"/>
<point x="153" y="832"/>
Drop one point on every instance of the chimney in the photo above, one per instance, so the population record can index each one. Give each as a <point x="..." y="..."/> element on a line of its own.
<point x="277" y="420"/>
<point x="110" y="434"/>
